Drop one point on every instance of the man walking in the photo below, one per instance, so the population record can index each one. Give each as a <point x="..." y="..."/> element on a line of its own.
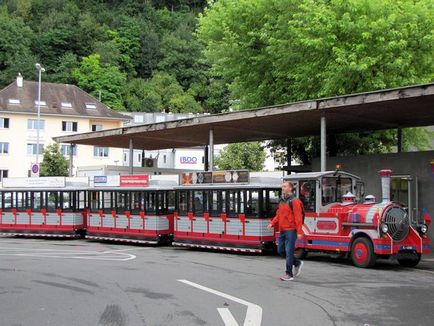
<point x="290" y="220"/>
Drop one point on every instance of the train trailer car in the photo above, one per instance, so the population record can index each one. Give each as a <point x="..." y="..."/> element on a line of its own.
<point x="46" y="207"/>
<point x="226" y="216"/>
<point x="335" y="222"/>
<point x="135" y="215"/>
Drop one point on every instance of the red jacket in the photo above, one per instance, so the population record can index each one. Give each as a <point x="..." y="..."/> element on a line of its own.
<point x="289" y="219"/>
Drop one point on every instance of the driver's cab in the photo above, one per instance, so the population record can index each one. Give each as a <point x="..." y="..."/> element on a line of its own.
<point x="320" y="190"/>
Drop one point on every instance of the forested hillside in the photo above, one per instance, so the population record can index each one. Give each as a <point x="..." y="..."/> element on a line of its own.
<point x="138" y="55"/>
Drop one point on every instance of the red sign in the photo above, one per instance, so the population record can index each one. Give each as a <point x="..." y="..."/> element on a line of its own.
<point x="137" y="180"/>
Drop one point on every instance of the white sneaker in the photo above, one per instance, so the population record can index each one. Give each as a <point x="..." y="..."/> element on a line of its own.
<point x="286" y="277"/>
<point x="297" y="269"/>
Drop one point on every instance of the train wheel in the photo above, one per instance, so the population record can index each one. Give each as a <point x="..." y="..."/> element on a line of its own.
<point x="362" y="253"/>
<point x="301" y="253"/>
<point x="408" y="262"/>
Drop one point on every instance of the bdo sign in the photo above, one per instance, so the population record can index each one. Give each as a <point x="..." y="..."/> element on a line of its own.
<point x="188" y="160"/>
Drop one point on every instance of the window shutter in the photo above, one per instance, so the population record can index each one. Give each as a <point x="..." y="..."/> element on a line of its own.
<point x="63" y="125"/>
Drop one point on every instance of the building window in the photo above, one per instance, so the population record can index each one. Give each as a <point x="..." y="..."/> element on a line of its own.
<point x="139" y="118"/>
<point x="96" y="127"/>
<point x="69" y="126"/>
<point x="14" y="101"/>
<point x="31" y="149"/>
<point x="4" y="148"/>
<point x="91" y="106"/>
<point x="4" y="123"/>
<point x="42" y="103"/>
<point x="32" y="124"/>
<point x="66" y="105"/>
<point x="3" y="174"/>
<point x="100" y="151"/>
<point x="66" y="150"/>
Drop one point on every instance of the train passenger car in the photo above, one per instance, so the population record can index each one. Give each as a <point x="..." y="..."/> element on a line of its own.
<point x="45" y="207"/>
<point x="335" y="222"/>
<point x="132" y="214"/>
<point x="223" y="212"/>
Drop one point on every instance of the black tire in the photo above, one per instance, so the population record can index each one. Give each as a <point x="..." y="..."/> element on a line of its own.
<point x="408" y="262"/>
<point x="301" y="253"/>
<point x="362" y="253"/>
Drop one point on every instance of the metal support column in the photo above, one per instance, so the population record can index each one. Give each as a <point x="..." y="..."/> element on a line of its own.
<point x="131" y="156"/>
<point x="206" y="161"/>
<point x="288" y="154"/>
<point x="399" y="140"/>
<point x="211" y="150"/>
<point x="323" y="143"/>
<point x="71" y="159"/>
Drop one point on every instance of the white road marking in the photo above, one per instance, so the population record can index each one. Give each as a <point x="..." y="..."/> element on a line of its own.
<point x="254" y="312"/>
<point x="110" y="255"/>
<point x="227" y="317"/>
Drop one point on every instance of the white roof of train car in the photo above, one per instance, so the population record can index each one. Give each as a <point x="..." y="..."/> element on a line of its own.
<point x="316" y="175"/>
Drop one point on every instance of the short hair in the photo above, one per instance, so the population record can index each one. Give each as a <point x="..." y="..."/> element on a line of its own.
<point x="290" y="184"/>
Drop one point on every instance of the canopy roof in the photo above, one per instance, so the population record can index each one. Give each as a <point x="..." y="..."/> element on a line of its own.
<point x="411" y="106"/>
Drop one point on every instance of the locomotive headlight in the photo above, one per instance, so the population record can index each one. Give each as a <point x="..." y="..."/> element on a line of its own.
<point x="423" y="228"/>
<point x="384" y="227"/>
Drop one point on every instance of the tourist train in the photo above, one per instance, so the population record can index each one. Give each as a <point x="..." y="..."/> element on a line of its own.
<point x="218" y="210"/>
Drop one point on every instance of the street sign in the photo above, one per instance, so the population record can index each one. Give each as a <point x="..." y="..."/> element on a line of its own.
<point x="35" y="169"/>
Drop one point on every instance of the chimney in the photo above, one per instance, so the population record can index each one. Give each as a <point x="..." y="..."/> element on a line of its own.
<point x="385" y="184"/>
<point x="19" y="80"/>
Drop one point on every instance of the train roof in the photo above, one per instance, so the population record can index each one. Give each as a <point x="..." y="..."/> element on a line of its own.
<point x="316" y="175"/>
<point x="255" y="182"/>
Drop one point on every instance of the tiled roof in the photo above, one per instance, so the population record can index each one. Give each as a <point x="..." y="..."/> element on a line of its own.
<point x="54" y="94"/>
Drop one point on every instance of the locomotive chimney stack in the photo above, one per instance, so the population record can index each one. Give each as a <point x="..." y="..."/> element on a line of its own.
<point x="385" y="184"/>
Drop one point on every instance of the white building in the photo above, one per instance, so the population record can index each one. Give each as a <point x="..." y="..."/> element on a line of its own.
<point x="65" y="109"/>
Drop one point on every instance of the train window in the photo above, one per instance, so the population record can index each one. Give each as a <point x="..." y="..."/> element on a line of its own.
<point x="161" y="201"/>
<point x="150" y="201"/>
<point x="252" y="203"/>
<point x="122" y="201"/>
<point x="183" y="202"/>
<point x="1" y="200"/>
<point x="234" y="203"/>
<point x="223" y="201"/>
<point x="7" y="199"/>
<point x="334" y="188"/>
<point x="270" y="201"/>
<point x="20" y="200"/>
<point x="137" y="202"/>
<point x="107" y="201"/>
<point x="36" y="200"/>
<point x="198" y="202"/>
<point x="67" y="200"/>
<point x="82" y="200"/>
<point x="307" y="194"/>
<point x="214" y="202"/>
<point x="171" y="200"/>
<point x="53" y="201"/>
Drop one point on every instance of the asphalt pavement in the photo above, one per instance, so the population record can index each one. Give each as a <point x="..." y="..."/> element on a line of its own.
<point x="79" y="282"/>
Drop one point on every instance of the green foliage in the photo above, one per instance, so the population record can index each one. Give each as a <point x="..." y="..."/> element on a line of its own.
<point x="53" y="164"/>
<point x="135" y="40"/>
<point x="277" y="51"/>
<point x="249" y="156"/>
<point x="107" y="79"/>
<point x="15" y="42"/>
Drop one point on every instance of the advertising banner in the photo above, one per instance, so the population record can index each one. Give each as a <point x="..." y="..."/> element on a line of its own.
<point x="137" y="180"/>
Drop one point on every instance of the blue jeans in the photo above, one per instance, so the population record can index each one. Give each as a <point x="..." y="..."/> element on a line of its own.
<point x="287" y="247"/>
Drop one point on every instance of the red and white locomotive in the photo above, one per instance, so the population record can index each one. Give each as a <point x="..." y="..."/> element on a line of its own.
<point x="335" y="222"/>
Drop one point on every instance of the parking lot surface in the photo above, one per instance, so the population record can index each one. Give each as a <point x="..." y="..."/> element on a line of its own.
<point x="79" y="282"/>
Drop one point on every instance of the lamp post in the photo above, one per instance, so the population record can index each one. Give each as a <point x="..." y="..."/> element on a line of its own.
<point x="40" y="70"/>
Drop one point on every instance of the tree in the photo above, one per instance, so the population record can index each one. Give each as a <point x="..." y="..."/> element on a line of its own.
<point x="15" y="47"/>
<point x="276" y="51"/>
<point x="107" y="79"/>
<point x="249" y="156"/>
<point x="53" y="164"/>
